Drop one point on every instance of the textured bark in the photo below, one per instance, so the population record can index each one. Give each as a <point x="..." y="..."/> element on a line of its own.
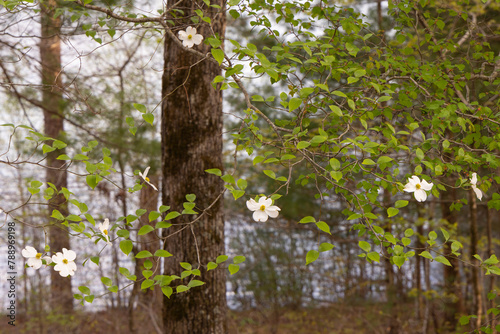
<point x="454" y="301"/>
<point x="476" y="285"/>
<point x="50" y="54"/>
<point x="192" y="143"/>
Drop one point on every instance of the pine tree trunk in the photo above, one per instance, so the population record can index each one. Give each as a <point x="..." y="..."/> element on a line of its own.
<point x="192" y="143"/>
<point x="50" y="54"/>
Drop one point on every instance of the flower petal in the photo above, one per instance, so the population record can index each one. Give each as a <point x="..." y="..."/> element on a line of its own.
<point x="188" y="43"/>
<point x="72" y="266"/>
<point x="183" y="35"/>
<point x="252" y="205"/>
<point x="420" y="195"/>
<point x="146" y="171"/>
<point x="426" y="186"/>
<point x="152" y="185"/>
<point x="37" y="263"/>
<point x="265" y="201"/>
<point x="197" y="39"/>
<point x="478" y="192"/>
<point x="409" y="187"/>
<point x="58" y="257"/>
<point x="272" y="212"/>
<point x="260" y="216"/>
<point x="29" y="251"/>
<point x="69" y="254"/>
<point x="473" y="179"/>
<point x="48" y="260"/>
<point x="34" y="262"/>
<point x="191" y="31"/>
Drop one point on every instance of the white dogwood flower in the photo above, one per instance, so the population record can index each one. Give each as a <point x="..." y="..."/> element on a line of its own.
<point x="34" y="258"/>
<point x="146" y="178"/>
<point x="104" y="228"/>
<point x="189" y="37"/>
<point x="418" y="188"/>
<point x="473" y="182"/>
<point x="263" y="209"/>
<point x="65" y="262"/>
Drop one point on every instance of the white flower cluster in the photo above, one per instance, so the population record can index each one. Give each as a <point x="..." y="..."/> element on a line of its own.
<point x="65" y="261"/>
<point x="419" y="188"/>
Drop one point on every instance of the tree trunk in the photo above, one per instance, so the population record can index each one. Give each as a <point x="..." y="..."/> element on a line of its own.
<point x="453" y="303"/>
<point x="476" y="285"/>
<point x="192" y="143"/>
<point x="50" y="54"/>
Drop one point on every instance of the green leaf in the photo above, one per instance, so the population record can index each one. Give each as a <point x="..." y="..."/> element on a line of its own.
<point x="307" y="219"/>
<point x="126" y="246"/>
<point x="325" y="246"/>
<point x="106" y="281"/>
<point x="57" y="215"/>
<point x="218" y="55"/>
<point x="63" y="157"/>
<point x="239" y="259"/>
<point x="167" y="291"/>
<point x="311" y="256"/>
<point x="162" y="253"/>
<point x="323" y="227"/>
<point x="269" y="173"/>
<point x="83" y="289"/>
<point x="443" y="260"/>
<point x="211" y="266"/>
<point x="419" y="153"/>
<point x="294" y="103"/>
<point x="186" y="265"/>
<point x="242" y="184"/>
<point x="408" y="232"/>
<point x="427" y="255"/>
<point x="445" y="234"/>
<point x="365" y="246"/>
<point x="146" y="229"/>
<point x="374" y="256"/>
<point x="221" y="258"/>
<point x="89" y="299"/>
<point x="303" y="144"/>
<point x="464" y="320"/>
<point x="368" y="162"/>
<point x="172" y="215"/>
<point x="401" y="204"/>
<point x="215" y="171"/>
<point x="153" y="215"/>
<point x="140" y="107"/>
<point x="228" y="178"/>
<point x="233" y="268"/>
<point x="147" y="283"/>
<point x="149" y="118"/>
<point x="195" y="283"/>
<point x="391" y="212"/>
<point x="181" y="288"/>
<point x="398" y="260"/>
<point x="143" y="254"/>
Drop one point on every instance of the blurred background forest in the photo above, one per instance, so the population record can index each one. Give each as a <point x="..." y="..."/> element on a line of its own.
<point x="274" y="291"/>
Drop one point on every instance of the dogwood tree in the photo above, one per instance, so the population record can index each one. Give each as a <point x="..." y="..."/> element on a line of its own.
<point x="368" y="115"/>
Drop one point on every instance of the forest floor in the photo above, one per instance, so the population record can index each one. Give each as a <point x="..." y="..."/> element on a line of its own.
<point x="334" y="319"/>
